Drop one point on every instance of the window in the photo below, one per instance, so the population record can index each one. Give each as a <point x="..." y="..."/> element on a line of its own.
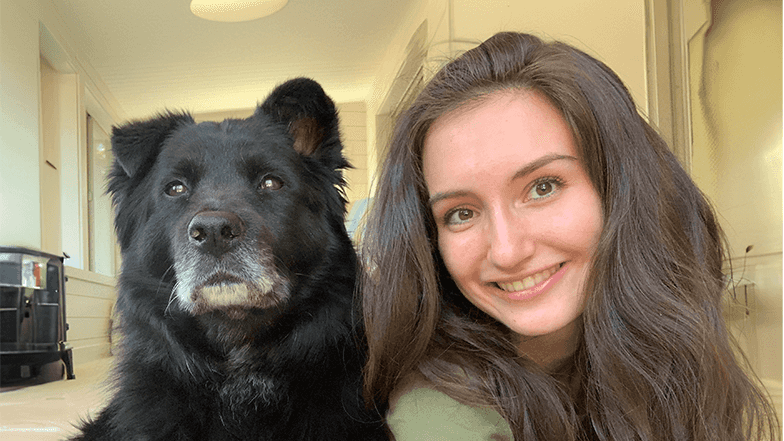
<point x="102" y="258"/>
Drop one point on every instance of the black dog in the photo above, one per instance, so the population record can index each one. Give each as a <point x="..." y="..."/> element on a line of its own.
<point x="237" y="287"/>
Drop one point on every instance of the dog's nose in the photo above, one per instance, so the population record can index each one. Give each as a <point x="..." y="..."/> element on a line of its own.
<point x="215" y="232"/>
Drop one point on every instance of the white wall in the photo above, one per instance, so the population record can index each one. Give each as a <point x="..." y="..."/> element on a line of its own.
<point x="353" y="131"/>
<point x="611" y="30"/>
<point x="20" y="223"/>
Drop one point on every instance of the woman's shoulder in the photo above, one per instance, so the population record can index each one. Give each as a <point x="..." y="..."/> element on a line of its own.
<point x="419" y="412"/>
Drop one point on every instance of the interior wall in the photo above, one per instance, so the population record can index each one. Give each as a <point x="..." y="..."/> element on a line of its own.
<point x="613" y="31"/>
<point x="379" y="102"/>
<point x="736" y="94"/>
<point x="28" y="30"/>
<point x="353" y="132"/>
<point x="46" y="89"/>
<point x="59" y="126"/>
<point x="20" y="208"/>
<point x="73" y="171"/>
<point x="89" y="313"/>
<point x="51" y="240"/>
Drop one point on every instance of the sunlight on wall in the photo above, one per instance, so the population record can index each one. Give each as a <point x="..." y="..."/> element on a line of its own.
<point x="736" y="88"/>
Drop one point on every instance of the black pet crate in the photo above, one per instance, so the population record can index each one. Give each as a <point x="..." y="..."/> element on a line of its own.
<point x="32" y="314"/>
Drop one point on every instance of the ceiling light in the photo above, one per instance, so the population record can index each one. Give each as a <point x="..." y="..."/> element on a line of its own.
<point x="235" y="10"/>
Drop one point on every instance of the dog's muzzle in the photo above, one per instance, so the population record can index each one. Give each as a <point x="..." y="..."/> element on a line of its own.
<point x="221" y="266"/>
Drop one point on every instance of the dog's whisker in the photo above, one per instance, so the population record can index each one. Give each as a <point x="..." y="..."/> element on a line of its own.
<point x="161" y="281"/>
<point x="163" y="277"/>
<point x="172" y="297"/>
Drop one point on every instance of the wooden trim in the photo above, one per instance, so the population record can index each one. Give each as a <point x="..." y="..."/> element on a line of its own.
<point x="667" y="71"/>
<point x="89" y="276"/>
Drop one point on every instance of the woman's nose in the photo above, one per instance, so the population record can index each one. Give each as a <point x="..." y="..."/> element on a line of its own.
<point x="511" y="242"/>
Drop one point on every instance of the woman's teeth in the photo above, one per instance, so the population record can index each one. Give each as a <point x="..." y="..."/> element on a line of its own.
<point x="529" y="281"/>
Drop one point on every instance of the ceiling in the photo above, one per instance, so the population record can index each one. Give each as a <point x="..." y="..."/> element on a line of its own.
<point x="155" y="54"/>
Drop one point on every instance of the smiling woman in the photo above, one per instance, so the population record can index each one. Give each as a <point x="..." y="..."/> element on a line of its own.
<point x="517" y="217"/>
<point x="542" y="268"/>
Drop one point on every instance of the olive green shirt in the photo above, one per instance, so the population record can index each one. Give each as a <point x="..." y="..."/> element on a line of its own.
<point x="418" y="412"/>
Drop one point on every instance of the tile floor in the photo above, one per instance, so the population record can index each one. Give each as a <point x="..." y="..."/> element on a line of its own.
<point x="48" y="411"/>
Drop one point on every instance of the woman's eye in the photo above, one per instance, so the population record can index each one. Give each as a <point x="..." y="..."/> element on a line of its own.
<point x="270" y="182"/>
<point x="459" y="216"/>
<point x="176" y="188"/>
<point x="544" y="188"/>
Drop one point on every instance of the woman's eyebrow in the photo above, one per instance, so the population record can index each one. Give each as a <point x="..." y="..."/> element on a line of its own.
<point x="541" y="162"/>
<point x="434" y="199"/>
<point x="526" y="170"/>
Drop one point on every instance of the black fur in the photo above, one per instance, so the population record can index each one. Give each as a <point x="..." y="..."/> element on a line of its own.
<point x="236" y="303"/>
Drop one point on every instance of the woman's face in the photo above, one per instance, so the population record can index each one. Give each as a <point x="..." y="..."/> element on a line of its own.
<point x="517" y="215"/>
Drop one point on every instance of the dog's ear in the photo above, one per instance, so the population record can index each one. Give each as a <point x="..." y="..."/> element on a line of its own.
<point x="309" y="114"/>
<point x="136" y="145"/>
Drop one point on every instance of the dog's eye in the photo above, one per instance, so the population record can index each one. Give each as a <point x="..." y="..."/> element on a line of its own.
<point x="270" y="182"/>
<point x="176" y="188"/>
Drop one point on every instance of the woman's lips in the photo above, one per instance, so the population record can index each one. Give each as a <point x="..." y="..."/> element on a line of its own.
<point x="533" y="284"/>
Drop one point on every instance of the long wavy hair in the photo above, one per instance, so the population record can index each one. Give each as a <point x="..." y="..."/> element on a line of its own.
<point x="656" y="361"/>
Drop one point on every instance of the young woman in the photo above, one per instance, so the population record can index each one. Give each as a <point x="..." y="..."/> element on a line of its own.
<point x="542" y="268"/>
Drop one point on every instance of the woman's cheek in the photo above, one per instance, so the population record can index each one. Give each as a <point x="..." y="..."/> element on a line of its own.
<point x="461" y="252"/>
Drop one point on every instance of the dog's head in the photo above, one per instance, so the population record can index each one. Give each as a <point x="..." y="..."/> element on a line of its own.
<point x="236" y="214"/>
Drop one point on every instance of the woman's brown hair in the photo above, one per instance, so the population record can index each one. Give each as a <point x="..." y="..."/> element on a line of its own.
<point x="656" y="361"/>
